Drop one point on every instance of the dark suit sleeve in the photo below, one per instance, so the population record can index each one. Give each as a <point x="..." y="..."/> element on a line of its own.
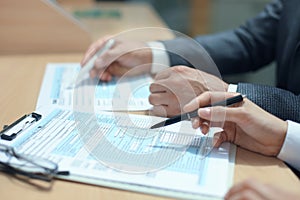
<point x="245" y="48"/>
<point x="279" y="102"/>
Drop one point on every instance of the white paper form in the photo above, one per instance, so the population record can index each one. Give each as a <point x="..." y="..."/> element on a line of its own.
<point x="126" y="94"/>
<point x="187" y="176"/>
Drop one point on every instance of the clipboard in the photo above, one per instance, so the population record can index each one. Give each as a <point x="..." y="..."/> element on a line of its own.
<point x="87" y="171"/>
<point x="11" y="131"/>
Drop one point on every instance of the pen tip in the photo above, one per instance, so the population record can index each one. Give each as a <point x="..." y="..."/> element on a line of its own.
<point x="158" y="125"/>
<point x="153" y="127"/>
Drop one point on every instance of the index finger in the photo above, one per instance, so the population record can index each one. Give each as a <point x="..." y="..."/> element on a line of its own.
<point x="163" y="74"/>
<point x="157" y="87"/>
<point x="205" y="99"/>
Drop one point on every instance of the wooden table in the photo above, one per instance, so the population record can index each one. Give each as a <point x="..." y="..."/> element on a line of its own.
<point x="47" y="27"/>
<point x="126" y="19"/>
<point x="21" y="77"/>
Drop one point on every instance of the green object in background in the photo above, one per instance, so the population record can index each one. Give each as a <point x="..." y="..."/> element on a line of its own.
<point x="97" y="13"/>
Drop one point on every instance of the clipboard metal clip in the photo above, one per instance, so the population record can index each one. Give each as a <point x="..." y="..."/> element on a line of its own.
<point x="11" y="131"/>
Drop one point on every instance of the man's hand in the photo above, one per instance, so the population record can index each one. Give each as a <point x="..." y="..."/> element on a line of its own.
<point x="254" y="190"/>
<point x="245" y="123"/>
<point x="125" y="57"/>
<point x="176" y="86"/>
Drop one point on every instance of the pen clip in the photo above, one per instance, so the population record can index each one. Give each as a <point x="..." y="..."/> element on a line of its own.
<point x="11" y="131"/>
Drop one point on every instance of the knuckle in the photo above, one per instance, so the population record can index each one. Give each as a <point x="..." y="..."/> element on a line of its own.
<point x="151" y="99"/>
<point x="179" y="68"/>
<point x="152" y="87"/>
<point x="174" y="68"/>
<point x="249" y="182"/>
<point x="207" y="93"/>
<point x="243" y="195"/>
<point x="159" y="111"/>
<point x="155" y="99"/>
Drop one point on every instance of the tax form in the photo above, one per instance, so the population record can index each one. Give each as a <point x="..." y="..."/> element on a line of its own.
<point x="125" y="94"/>
<point x="118" y="150"/>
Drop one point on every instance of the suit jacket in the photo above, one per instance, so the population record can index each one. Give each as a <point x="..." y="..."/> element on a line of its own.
<point x="273" y="35"/>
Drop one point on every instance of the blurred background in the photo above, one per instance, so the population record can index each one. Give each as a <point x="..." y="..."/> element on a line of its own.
<point x="194" y="17"/>
<point x="103" y="17"/>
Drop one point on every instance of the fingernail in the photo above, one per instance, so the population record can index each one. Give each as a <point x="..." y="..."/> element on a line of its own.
<point x="204" y="112"/>
<point x="195" y="123"/>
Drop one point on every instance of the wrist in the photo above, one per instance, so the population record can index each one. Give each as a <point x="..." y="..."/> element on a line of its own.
<point x="279" y="130"/>
<point x="282" y="131"/>
<point x="159" y="57"/>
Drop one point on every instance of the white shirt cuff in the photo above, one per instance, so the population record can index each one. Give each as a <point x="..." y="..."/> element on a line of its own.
<point x="232" y="88"/>
<point x="291" y="146"/>
<point x="160" y="57"/>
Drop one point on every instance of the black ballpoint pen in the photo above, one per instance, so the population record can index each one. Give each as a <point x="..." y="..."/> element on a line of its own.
<point x="189" y="115"/>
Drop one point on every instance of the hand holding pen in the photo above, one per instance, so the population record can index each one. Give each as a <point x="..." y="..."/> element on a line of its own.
<point x="89" y="62"/>
<point x="194" y="113"/>
<point x="86" y="68"/>
<point x="244" y="124"/>
<point x="123" y="57"/>
<point x="217" y="110"/>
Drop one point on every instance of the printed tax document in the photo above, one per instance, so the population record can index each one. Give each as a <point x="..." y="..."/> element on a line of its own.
<point x="118" y="150"/>
<point x="130" y="94"/>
